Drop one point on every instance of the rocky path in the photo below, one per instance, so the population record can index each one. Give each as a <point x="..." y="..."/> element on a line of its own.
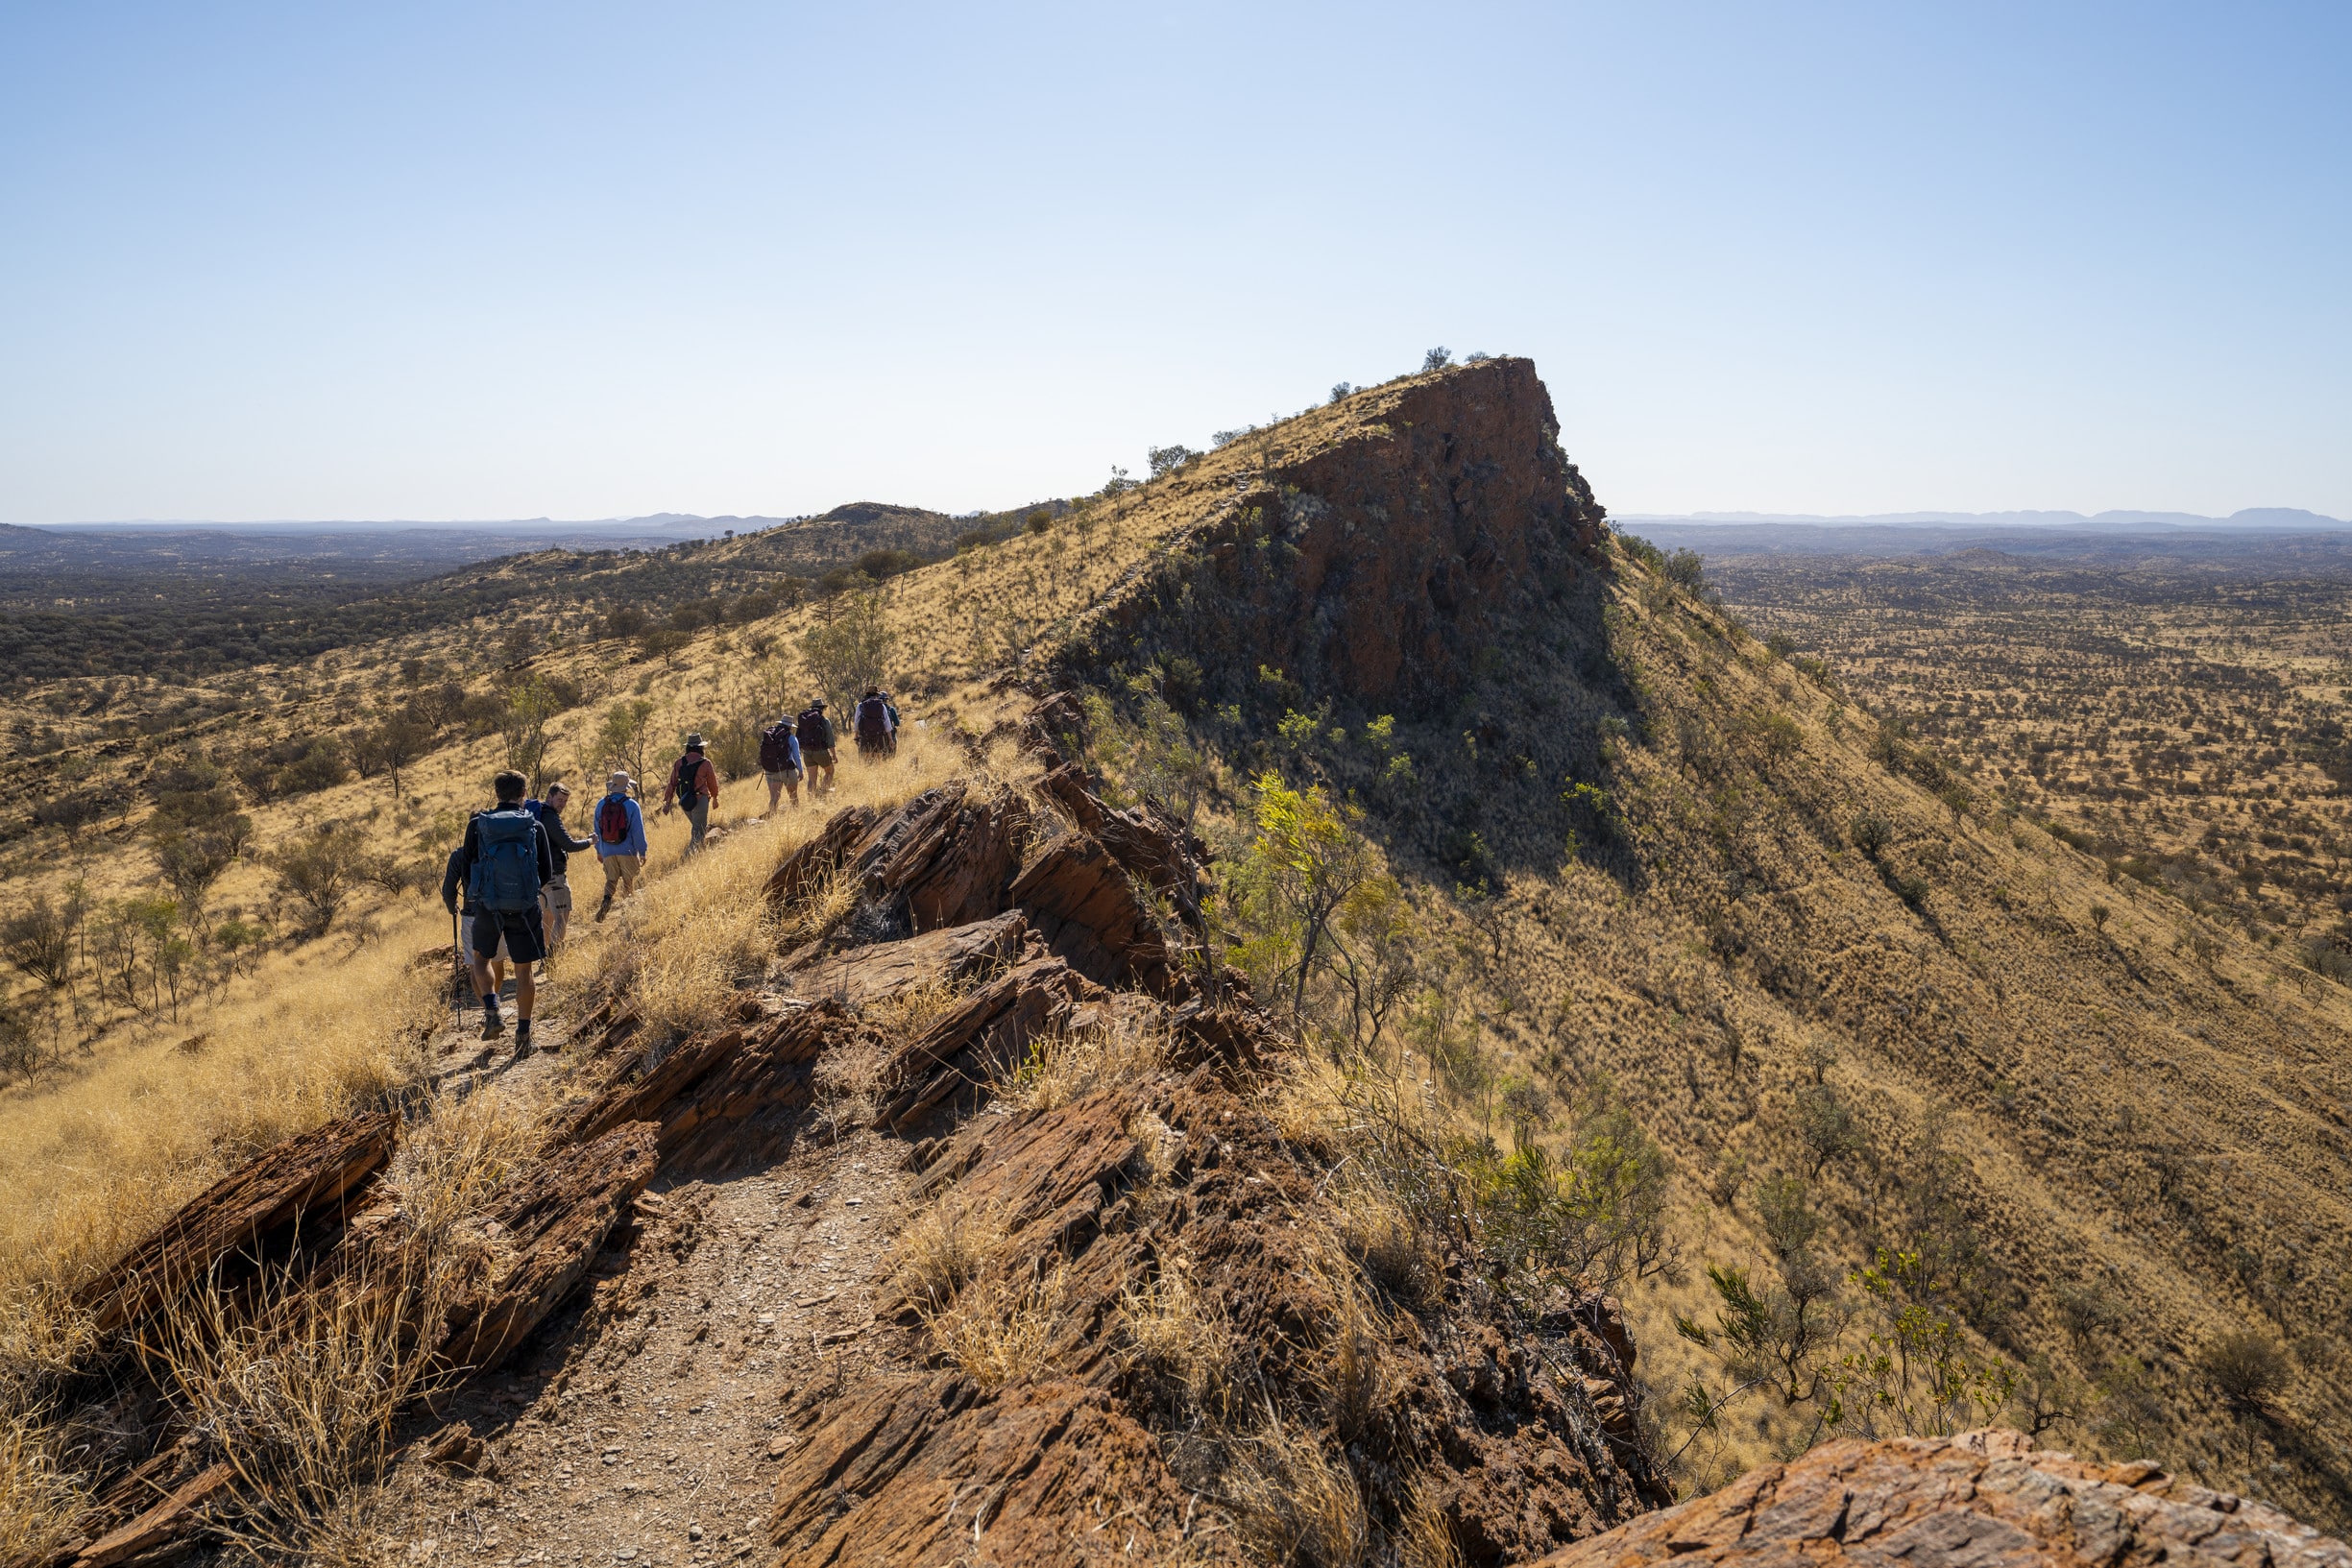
<point x="641" y="1425"/>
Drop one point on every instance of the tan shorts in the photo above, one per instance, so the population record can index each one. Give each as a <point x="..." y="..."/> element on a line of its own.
<point x="557" y="895"/>
<point x="622" y="868"/>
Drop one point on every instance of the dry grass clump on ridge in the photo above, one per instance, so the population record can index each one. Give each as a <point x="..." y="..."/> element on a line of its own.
<point x="1066" y="1065"/>
<point x="1004" y="1330"/>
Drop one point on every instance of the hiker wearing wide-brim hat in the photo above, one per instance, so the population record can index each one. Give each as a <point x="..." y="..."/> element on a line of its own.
<point x="816" y="746"/>
<point x="694" y="788"/>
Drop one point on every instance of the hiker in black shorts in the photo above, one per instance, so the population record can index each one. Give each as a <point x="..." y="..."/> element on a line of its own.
<point x="503" y="863"/>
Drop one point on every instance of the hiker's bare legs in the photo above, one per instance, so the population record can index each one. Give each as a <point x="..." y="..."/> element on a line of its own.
<point x="775" y="792"/>
<point x="526" y="991"/>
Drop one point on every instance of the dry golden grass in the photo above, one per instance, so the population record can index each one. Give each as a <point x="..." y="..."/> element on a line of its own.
<point x="39" y="1499"/>
<point x="1292" y="1501"/>
<point x="1003" y="1331"/>
<point x="1066" y="1065"/>
<point x="97" y="1164"/>
<point x="300" y="1392"/>
<point x="941" y="1250"/>
<point x="1179" y="1337"/>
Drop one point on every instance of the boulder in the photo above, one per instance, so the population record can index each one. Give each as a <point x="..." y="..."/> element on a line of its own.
<point x="1983" y="1499"/>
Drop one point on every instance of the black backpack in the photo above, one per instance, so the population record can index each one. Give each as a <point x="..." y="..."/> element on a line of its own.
<point x="816" y="731"/>
<point x="686" y="774"/>
<point x="775" y="755"/>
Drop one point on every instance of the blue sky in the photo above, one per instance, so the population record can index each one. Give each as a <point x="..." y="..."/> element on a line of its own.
<point x="510" y="260"/>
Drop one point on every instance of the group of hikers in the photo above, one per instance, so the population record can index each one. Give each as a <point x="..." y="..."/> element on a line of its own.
<point x="513" y="867"/>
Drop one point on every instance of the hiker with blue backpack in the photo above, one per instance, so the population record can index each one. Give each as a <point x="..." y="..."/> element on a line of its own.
<point x="503" y="863"/>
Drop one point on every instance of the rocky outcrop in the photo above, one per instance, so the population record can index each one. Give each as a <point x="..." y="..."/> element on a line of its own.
<point x="1378" y="564"/>
<point x="253" y="1216"/>
<point x="549" y="1230"/>
<point x="984" y="1037"/>
<point x="1983" y="1500"/>
<point x="1505" y="1447"/>
<point x="1084" y="906"/>
<point x="951" y="954"/>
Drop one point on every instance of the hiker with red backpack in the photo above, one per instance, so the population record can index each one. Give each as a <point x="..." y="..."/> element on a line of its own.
<point x="877" y="727"/>
<point x="555" y="898"/>
<point x="504" y="861"/>
<point x="692" y="788"/>
<point x="620" y="839"/>
<point x="780" y="760"/>
<point x="816" y="746"/>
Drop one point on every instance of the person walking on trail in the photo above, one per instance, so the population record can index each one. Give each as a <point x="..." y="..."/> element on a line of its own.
<point x="555" y="898"/>
<point x="694" y="788"/>
<point x="780" y="760"/>
<point x="505" y="860"/>
<point x="877" y="730"/>
<point x="816" y="746"/>
<point x="620" y="839"/>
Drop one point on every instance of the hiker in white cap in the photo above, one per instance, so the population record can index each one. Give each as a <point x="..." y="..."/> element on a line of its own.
<point x="620" y="839"/>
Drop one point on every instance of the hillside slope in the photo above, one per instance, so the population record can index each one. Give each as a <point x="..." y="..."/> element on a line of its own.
<point x="2114" y="1131"/>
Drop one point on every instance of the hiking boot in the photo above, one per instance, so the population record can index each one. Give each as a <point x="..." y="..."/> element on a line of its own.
<point x="492" y="1025"/>
<point x="607" y="904"/>
<point x="522" y="1047"/>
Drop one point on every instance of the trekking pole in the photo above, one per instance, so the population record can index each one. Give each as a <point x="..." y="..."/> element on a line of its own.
<point x="457" y="990"/>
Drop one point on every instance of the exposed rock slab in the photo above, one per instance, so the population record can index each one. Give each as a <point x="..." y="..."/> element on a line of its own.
<point x="1084" y="906"/>
<point x="553" y="1225"/>
<point x="883" y="969"/>
<point x="947" y="854"/>
<point x="1983" y="1500"/>
<point x="987" y="1031"/>
<point x="252" y="1212"/>
<point x="820" y="857"/>
<point x="1065" y="1465"/>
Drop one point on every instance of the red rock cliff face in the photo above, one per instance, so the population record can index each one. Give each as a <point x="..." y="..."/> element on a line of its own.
<point x="1376" y="565"/>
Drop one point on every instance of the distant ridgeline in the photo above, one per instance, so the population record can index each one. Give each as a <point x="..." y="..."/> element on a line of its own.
<point x="197" y="602"/>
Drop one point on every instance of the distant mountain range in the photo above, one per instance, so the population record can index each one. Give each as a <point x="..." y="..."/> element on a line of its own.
<point x="2268" y="518"/>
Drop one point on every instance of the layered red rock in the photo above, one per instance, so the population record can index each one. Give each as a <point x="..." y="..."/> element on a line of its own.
<point x="1405" y="546"/>
<point x="549" y="1228"/>
<point x="894" y="1468"/>
<point x="984" y="1037"/>
<point x="1982" y="1499"/>
<point x="254" y="1214"/>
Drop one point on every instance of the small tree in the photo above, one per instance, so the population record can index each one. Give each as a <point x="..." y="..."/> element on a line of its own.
<point x="1827" y="1127"/>
<point x="851" y="651"/>
<point x="622" y="733"/>
<point x="398" y="742"/>
<point x="40" y="939"/>
<point x="2247" y="1365"/>
<point x="525" y="729"/>
<point x="1435" y="359"/>
<point x="1305" y="864"/>
<point x="22" y="1049"/>
<point x="319" y="872"/>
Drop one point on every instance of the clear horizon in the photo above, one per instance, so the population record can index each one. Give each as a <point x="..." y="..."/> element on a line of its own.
<point x="444" y="264"/>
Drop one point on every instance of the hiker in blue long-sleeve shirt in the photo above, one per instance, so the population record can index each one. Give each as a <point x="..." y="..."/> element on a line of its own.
<point x="620" y="837"/>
